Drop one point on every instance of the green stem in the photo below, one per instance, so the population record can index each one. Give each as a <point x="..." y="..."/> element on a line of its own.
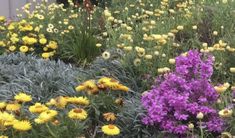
<point x="201" y="130"/>
<point x="50" y="131"/>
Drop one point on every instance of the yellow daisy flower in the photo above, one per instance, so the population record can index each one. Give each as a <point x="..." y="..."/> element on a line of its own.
<point x="78" y="100"/>
<point x="46" y="116"/>
<point x="109" y="116"/>
<point x="22" y="97"/>
<point x="24" y="49"/>
<point x="225" y="113"/>
<point x="78" y="113"/>
<point x="13" y="106"/>
<point x="38" y="108"/>
<point x="110" y="130"/>
<point x="6" y="119"/>
<point x="2" y="105"/>
<point x="24" y="125"/>
<point x="2" y="136"/>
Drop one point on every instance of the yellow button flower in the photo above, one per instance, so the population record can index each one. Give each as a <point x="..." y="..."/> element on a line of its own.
<point x="225" y="113"/>
<point x="24" y="49"/>
<point x="12" y="48"/>
<point x="110" y="130"/>
<point x="78" y="113"/>
<point x="43" y="41"/>
<point x="22" y="97"/>
<point x="46" y="55"/>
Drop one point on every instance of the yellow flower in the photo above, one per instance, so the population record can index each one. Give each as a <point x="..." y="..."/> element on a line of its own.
<point x="106" y="55"/>
<point x="78" y="100"/>
<point x="121" y="87"/>
<point x="2" y="44"/>
<point x="24" y="49"/>
<point x="22" y="97"/>
<point x="13" y="106"/>
<point x="137" y="62"/>
<point x="43" y="41"/>
<point x="109" y="116"/>
<point x="46" y="55"/>
<point x="225" y="113"/>
<point x="2" y="105"/>
<point x="226" y="135"/>
<point x="2" y="19"/>
<point x="6" y="119"/>
<point x="24" y="125"/>
<point x="25" y="27"/>
<point x="2" y="136"/>
<point x="61" y="102"/>
<point x="12" y="48"/>
<point x="106" y="82"/>
<point x="220" y="89"/>
<point x="119" y="101"/>
<point x="110" y="130"/>
<point x="78" y="113"/>
<point x="46" y="116"/>
<point x="29" y="40"/>
<point x="172" y="61"/>
<point x="200" y="115"/>
<point x="232" y="70"/>
<point x="89" y="86"/>
<point x="37" y="108"/>
<point x="52" y="45"/>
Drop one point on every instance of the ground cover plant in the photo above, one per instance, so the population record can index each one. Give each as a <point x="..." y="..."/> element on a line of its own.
<point x="131" y="68"/>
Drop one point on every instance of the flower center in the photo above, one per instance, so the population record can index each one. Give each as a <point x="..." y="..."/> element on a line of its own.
<point x="78" y="110"/>
<point x="225" y="111"/>
<point x="111" y="126"/>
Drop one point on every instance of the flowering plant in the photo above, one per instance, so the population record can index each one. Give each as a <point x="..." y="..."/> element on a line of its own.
<point x="177" y="98"/>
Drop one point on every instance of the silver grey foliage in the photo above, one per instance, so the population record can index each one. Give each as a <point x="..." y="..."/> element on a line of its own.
<point x="41" y="78"/>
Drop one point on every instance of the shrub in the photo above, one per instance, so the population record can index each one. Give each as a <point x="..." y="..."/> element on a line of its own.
<point x="42" y="79"/>
<point x="177" y="98"/>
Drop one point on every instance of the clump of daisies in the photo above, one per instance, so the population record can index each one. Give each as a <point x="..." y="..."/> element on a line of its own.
<point x="185" y="97"/>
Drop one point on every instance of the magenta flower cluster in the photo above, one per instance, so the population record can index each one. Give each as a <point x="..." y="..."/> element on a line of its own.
<point x="177" y="97"/>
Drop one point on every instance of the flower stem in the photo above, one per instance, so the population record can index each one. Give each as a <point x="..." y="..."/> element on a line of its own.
<point x="201" y="130"/>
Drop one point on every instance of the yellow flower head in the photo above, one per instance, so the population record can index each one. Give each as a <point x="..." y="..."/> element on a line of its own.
<point x="2" y="136"/>
<point x="22" y="97"/>
<point x="78" y="113"/>
<point x="89" y="86"/>
<point x="24" y="49"/>
<point x="43" y="41"/>
<point x="46" y="116"/>
<point x="24" y="125"/>
<point x="225" y="113"/>
<point x="110" y="130"/>
<point x="25" y="27"/>
<point x="52" y="45"/>
<point x="61" y="102"/>
<point x="109" y="116"/>
<point x="12" y="48"/>
<point x="38" y="108"/>
<point x="13" y="106"/>
<point x="2" y="105"/>
<point x="46" y="55"/>
<point x="6" y="119"/>
<point x="2" y="19"/>
<point x="78" y="100"/>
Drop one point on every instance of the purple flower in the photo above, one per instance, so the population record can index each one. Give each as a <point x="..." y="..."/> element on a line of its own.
<point x="179" y="96"/>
